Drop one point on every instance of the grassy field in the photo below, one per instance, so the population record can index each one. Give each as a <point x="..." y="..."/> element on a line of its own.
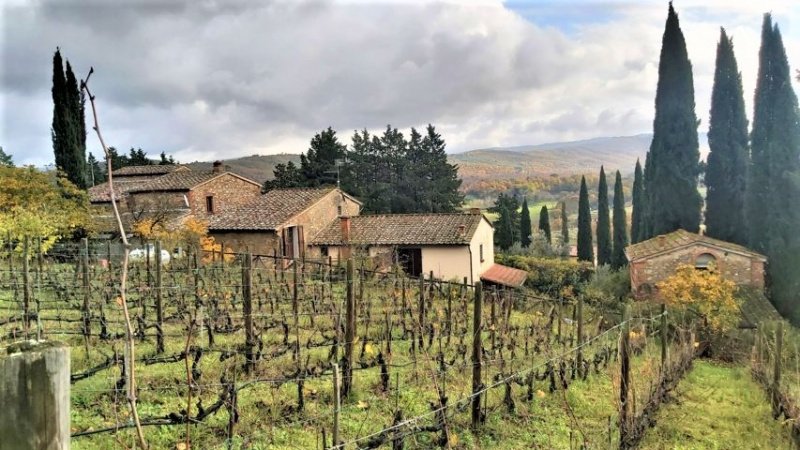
<point x="717" y="407"/>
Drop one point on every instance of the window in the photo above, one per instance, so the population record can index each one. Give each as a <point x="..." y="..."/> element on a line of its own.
<point x="210" y="204"/>
<point x="339" y="210"/>
<point x="480" y="251"/>
<point x="704" y="261"/>
<point x="324" y="251"/>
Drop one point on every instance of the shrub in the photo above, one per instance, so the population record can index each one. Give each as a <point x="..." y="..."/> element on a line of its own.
<point x="557" y="277"/>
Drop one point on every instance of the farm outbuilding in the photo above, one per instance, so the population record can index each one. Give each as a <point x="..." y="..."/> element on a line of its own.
<point x="655" y="259"/>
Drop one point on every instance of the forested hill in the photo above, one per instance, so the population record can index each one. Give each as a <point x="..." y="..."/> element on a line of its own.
<point x="256" y="167"/>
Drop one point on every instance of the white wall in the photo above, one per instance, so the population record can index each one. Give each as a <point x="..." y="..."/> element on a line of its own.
<point x="446" y="261"/>
<point x="484" y="235"/>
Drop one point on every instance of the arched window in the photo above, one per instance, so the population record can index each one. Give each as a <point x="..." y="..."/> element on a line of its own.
<point x="704" y="261"/>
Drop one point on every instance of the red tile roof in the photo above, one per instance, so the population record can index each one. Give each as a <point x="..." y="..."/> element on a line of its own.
<point x="101" y="194"/>
<point x="268" y="211"/>
<point x="404" y="229"/>
<point x="154" y="169"/>
<point x="679" y="239"/>
<point x="504" y="275"/>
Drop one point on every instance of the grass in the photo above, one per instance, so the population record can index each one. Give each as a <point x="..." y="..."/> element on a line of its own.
<point x="717" y="407"/>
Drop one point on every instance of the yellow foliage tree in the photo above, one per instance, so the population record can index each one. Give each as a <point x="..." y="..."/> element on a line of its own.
<point x="40" y="204"/>
<point x="191" y="233"/>
<point x="704" y="293"/>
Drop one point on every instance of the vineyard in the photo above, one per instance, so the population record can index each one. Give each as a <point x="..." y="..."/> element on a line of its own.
<point x="255" y="351"/>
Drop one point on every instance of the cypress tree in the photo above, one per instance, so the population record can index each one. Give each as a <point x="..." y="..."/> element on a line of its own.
<point x="585" y="245"/>
<point x="61" y="123"/>
<point x="726" y="172"/>
<point x="544" y="224"/>
<point x="505" y="234"/>
<point x="773" y="196"/>
<point x="671" y="178"/>
<point x="637" y="215"/>
<point x="618" y="258"/>
<point x="603" y="222"/>
<point x="525" y="225"/>
<point x="68" y="130"/>
<point x="564" y="224"/>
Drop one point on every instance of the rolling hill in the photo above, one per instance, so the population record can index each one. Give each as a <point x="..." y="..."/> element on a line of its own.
<point x="256" y="167"/>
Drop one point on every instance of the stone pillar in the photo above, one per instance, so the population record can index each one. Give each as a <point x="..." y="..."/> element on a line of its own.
<point x="34" y="396"/>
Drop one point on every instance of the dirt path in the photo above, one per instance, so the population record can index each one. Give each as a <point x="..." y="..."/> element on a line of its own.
<point x="717" y="407"/>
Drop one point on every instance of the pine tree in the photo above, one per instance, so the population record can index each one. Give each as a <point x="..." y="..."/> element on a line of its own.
<point x="773" y="193"/>
<point x="544" y="224"/>
<point x="585" y="245"/>
<point x="564" y="224"/>
<point x="637" y="215"/>
<point x="6" y="160"/>
<point x="442" y="181"/>
<point x="318" y="164"/>
<point x="671" y="181"/>
<point x="166" y="160"/>
<point x="603" y="222"/>
<point x="95" y="173"/>
<point x="525" y="225"/>
<point x="618" y="258"/>
<point x="726" y="172"/>
<point x="285" y="176"/>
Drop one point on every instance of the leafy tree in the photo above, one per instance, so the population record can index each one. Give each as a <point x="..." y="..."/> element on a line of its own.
<point x="637" y="215"/>
<point x="6" y="159"/>
<point x="772" y="192"/>
<point x="68" y="129"/>
<point x="726" y="172"/>
<point x="671" y="178"/>
<point x="544" y="224"/>
<point x="704" y="293"/>
<point x="603" y="222"/>
<point x="318" y="164"/>
<point x="564" y="224"/>
<point x="285" y="176"/>
<point x="525" y="225"/>
<point x="585" y="245"/>
<point x="618" y="259"/>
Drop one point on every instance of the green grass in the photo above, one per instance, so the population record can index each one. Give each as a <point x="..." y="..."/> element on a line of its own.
<point x="717" y="407"/>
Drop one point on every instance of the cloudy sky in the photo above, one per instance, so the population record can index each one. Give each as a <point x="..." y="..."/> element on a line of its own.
<point x="205" y="79"/>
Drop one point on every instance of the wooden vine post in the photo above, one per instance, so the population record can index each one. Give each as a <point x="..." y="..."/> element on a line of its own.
<point x="337" y="404"/>
<point x="663" y="338"/>
<point x="159" y="299"/>
<point x="247" y="311"/>
<point x="296" y="311"/>
<point x="625" y="367"/>
<point x="776" y="374"/>
<point x="349" y="332"/>
<point x="579" y="314"/>
<point x="86" y="287"/>
<point x="477" y="385"/>
<point x="421" y="310"/>
<point x="26" y="284"/>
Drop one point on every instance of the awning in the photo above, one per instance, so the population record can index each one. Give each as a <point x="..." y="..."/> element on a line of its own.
<point x="504" y="275"/>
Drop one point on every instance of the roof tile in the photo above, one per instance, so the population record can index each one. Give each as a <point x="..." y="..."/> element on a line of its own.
<point x="678" y="239"/>
<point x="268" y="211"/>
<point x="507" y="276"/>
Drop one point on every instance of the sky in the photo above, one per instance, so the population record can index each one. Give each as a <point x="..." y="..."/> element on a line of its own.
<point x="219" y="79"/>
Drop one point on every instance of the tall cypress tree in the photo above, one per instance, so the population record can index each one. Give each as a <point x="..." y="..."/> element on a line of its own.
<point x="525" y="225"/>
<point x="773" y="196"/>
<point x="618" y="258"/>
<point x="68" y="130"/>
<point x="603" y="222"/>
<point x="671" y="179"/>
<point x="505" y="229"/>
<point x="637" y="215"/>
<point x="564" y="224"/>
<point x="544" y="224"/>
<point x="726" y="173"/>
<point x="585" y="245"/>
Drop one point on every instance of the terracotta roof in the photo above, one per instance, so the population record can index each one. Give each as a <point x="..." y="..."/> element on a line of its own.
<point x="181" y="180"/>
<point x="268" y="211"/>
<point x="507" y="276"/>
<point x="404" y="229"/>
<point x="154" y="169"/>
<point x="101" y="194"/>
<point x="679" y="239"/>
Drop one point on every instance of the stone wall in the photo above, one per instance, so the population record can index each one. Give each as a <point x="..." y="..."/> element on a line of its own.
<point x="256" y="242"/>
<point x="741" y="269"/>
<point x="228" y="191"/>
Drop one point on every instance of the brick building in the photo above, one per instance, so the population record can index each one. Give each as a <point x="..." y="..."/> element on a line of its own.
<point x="282" y="220"/>
<point x="170" y="194"/>
<point x="655" y="259"/>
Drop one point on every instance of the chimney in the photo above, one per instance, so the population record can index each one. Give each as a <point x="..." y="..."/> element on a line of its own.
<point x="217" y="167"/>
<point x="474" y="210"/>
<point x="345" y="223"/>
<point x="462" y="230"/>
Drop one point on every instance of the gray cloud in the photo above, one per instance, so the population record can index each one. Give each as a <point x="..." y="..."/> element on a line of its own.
<point x="218" y="79"/>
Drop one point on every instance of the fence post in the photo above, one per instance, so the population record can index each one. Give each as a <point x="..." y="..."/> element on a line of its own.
<point x="159" y="306"/>
<point x="86" y="287"/>
<point x="776" y="373"/>
<point x="26" y="284"/>
<point x="35" y="395"/>
<point x="349" y="332"/>
<point x="663" y="337"/>
<point x="579" y="337"/>
<point x="624" y="349"/>
<point x="337" y="405"/>
<point x="247" y="310"/>
<point x="477" y="385"/>
<point x="296" y="312"/>
<point x="421" y="311"/>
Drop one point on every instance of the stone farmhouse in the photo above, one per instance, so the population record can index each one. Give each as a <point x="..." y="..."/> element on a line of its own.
<point x="170" y="194"/>
<point x="451" y="246"/>
<point x="282" y="221"/>
<point x="655" y="259"/>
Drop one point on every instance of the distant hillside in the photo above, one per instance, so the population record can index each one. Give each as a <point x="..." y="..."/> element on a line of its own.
<point x="562" y="158"/>
<point x="257" y="167"/>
